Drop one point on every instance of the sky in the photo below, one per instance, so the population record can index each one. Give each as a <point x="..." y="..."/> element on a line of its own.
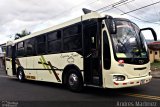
<point x="36" y="15"/>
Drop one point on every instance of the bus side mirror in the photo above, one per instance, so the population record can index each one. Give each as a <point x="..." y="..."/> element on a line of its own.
<point x="112" y="26"/>
<point x="152" y="31"/>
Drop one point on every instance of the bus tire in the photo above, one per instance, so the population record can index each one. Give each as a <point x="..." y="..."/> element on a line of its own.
<point x="74" y="80"/>
<point x="21" y="75"/>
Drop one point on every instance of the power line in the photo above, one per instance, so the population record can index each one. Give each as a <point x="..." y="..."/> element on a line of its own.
<point x="137" y="17"/>
<point x="156" y="10"/>
<point x="62" y="13"/>
<point x="141" y="8"/>
<point x="75" y="7"/>
<point x="113" y="6"/>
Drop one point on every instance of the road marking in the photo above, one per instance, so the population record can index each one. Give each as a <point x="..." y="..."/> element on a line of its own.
<point x="143" y="96"/>
<point x="3" y="76"/>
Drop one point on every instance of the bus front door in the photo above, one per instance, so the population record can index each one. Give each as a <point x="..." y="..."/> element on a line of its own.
<point x="14" y="60"/>
<point x="92" y="68"/>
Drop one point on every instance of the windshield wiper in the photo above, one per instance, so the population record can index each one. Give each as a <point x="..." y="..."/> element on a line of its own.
<point x="122" y="44"/>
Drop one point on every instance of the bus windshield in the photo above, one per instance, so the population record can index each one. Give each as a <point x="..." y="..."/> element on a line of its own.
<point x="128" y="42"/>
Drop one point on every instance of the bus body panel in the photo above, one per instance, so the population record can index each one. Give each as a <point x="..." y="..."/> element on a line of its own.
<point x="129" y="80"/>
<point x="39" y="68"/>
<point x="9" y="66"/>
<point x="127" y="83"/>
<point x="131" y="71"/>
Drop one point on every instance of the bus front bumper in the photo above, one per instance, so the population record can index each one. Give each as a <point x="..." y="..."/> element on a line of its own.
<point x="131" y="82"/>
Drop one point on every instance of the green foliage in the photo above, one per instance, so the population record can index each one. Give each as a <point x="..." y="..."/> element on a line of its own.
<point x="22" y="34"/>
<point x="155" y="64"/>
<point x="156" y="61"/>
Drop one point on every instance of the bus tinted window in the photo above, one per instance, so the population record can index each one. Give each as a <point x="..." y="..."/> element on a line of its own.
<point x="41" y="44"/>
<point x="30" y="46"/>
<point x="9" y="51"/>
<point x="54" y="46"/>
<point x="72" y="38"/>
<point x="72" y="43"/>
<point x="54" y="36"/>
<point x="54" y="42"/>
<point x="106" y="51"/>
<point x="20" y="49"/>
<point x="20" y="45"/>
<point x="72" y="30"/>
<point x="41" y="39"/>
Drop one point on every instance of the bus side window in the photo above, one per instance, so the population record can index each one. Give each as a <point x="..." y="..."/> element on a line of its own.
<point x="106" y="51"/>
<point x="41" y="44"/>
<point x="9" y="51"/>
<point x="30" y="47"/>
<point x="90" y="37"/>
<point x="54" y="42"/>
<point x="72" y="38"/>
<point x="20" y="49"/>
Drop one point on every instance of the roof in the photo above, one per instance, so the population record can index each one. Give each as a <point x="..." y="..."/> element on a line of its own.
<point x="3" y="44"/>
<point x="154" y="45"/>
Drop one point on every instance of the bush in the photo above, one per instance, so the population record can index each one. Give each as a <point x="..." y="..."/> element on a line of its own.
<point x="156" y="61"/>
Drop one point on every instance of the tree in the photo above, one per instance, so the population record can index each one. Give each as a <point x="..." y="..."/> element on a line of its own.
<point x="22" y="34"/>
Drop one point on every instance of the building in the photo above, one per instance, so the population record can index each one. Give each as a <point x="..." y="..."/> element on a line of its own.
<point x="2" y="55"/>
<point x="154" y="51"/>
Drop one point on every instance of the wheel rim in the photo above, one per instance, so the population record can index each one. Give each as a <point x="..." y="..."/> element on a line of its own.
<point x="73" y="80"/>
<point x="20" y="76"/>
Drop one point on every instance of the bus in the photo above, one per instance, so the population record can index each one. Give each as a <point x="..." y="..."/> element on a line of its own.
<point x="91" y="50"/>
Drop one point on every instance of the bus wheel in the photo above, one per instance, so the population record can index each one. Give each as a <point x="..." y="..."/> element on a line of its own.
<point x="74" y="80"/>
<point x="20" y="75"/>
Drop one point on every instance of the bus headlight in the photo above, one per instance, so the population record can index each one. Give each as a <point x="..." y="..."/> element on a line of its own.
<point x="118" y="77"/>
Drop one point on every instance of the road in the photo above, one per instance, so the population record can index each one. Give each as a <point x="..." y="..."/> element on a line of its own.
<point x="30" y="92"/>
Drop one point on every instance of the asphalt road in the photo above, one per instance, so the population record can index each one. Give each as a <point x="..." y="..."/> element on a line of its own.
<point x="14" y="92"/>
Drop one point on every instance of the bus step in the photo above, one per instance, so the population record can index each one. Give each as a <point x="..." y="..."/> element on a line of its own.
<point x="96" y="80"/>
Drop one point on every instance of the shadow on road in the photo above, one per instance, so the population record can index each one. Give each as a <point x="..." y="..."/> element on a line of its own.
<point x="112" y="92"/>
<point x="41" y="83"/>
<point x="88" y="90"/>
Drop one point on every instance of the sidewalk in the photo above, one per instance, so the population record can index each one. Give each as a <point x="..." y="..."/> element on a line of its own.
<point x="2" y="71"/>
<point x="155" y="74"/>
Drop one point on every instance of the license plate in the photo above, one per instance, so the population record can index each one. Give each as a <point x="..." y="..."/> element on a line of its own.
<point x="143" y="81"/>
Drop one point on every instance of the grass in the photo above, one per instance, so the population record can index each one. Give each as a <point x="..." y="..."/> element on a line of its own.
<point x="155" y="66"/>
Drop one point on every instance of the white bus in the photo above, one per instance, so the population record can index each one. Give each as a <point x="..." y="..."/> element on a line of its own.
<point x="91" y="50"/>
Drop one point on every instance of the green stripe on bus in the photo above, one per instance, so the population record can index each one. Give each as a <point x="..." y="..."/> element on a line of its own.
<point x="44" y="61"/>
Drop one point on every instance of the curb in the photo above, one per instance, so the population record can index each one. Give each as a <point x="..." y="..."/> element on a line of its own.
<point x="155" y="74"/>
